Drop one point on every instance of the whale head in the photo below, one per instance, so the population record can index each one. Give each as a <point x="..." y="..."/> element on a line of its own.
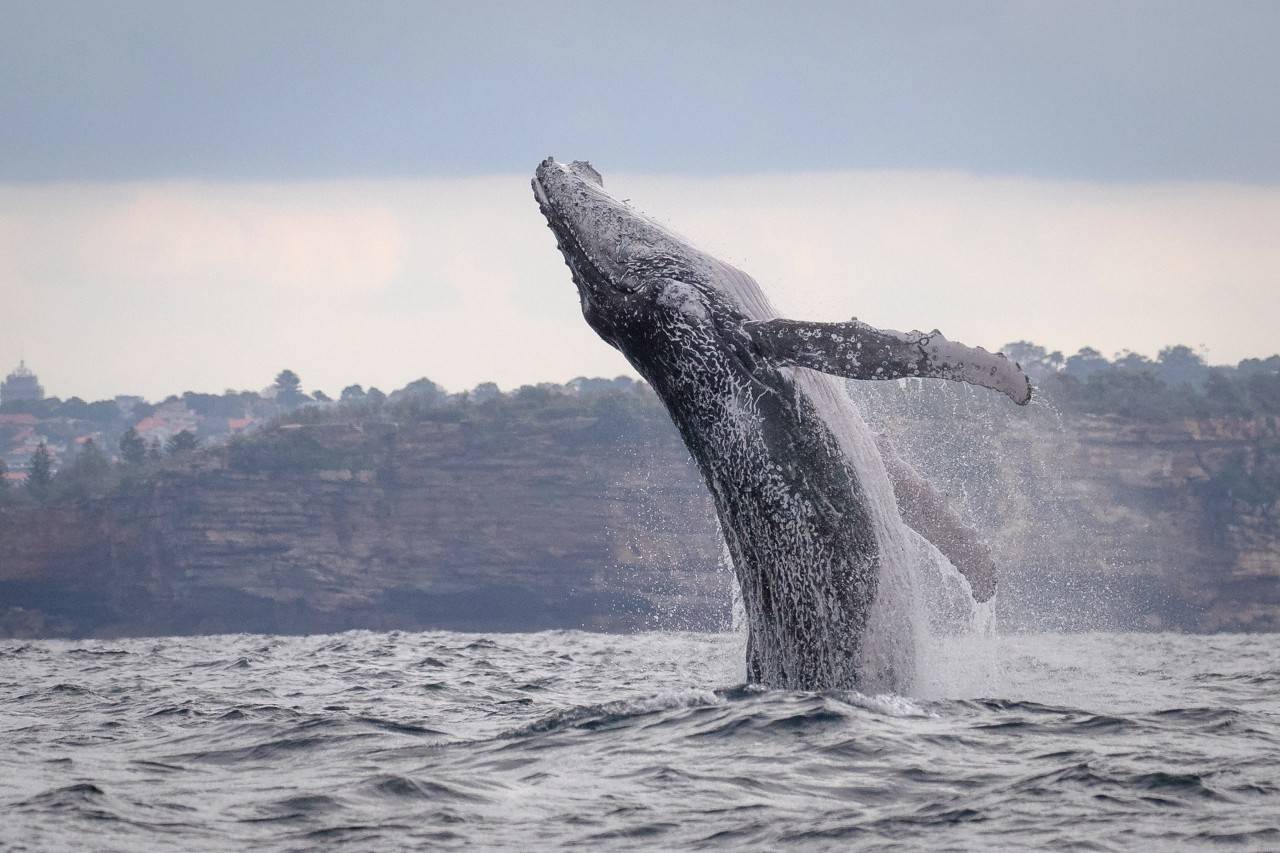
<point x="617" y="255"/>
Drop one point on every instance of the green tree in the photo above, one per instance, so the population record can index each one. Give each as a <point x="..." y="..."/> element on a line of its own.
<point x="1223" y="396"/>
<point x="40" y="472"/>
<point x="91" y="461"/>
<point x="1036" y="362"/>
<point x="1085" y="363"/>
<point x="1180" y="364"/>
<point x="86" y="474"/>
<point x="288" y="388"/>
<point x="1264" y="366"/>
<point x="133" y="450"/>
<point x="352" y="394"/>
<point x="4" y="482"/>
<point x="486" y="391"/>
<point x="154" y="452"/>
<point x="1133" y="362"/>
<point x="183" y="442"/>
<point x="74" y="407"/>
<point x="421" y="389"/>
<point x="1264" y="392"/>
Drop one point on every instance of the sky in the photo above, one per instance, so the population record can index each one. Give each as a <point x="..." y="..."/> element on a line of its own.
<point x="196" y="195"/>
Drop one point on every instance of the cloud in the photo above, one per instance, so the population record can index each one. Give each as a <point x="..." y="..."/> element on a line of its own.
<point x="990" y="260"/>
<point x="190" y="235"/>
<point x="160" y="287"/>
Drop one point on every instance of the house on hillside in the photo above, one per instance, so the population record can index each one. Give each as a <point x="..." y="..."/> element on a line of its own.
<point x="18" y="440"/>
<point x="167" y="421"/>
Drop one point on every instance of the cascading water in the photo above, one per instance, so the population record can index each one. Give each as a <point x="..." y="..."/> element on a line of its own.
<point x="922" y="602"/>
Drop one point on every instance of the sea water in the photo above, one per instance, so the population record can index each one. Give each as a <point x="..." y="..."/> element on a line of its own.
<point x="382" y="741"/>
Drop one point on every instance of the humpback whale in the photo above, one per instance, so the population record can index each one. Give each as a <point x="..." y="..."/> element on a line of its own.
<point x="805" y="499"/>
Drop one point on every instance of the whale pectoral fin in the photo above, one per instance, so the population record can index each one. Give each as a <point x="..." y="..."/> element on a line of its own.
<point x="928" y="512"/>
<point x="858" y="351"/>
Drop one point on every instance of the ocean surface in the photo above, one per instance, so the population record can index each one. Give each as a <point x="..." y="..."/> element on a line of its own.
<point x="383" y="741"/>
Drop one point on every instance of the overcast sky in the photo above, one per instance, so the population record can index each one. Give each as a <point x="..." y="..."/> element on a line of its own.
<point x="196" y="195"/>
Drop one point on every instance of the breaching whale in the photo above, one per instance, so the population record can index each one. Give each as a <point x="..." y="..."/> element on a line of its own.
<point x="803" y="496"/>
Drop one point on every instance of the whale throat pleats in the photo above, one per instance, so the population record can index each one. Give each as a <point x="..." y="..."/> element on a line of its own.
<point x="857" y="351"/>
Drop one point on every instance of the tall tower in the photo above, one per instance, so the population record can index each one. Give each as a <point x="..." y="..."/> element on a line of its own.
<point x="21" y="384"/>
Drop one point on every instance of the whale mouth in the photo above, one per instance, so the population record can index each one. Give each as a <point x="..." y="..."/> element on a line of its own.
<point x="558" y="225"/>
<point x="575" y="255"/>
<point x="564" y="235"/>
<point x="541" y="195"/>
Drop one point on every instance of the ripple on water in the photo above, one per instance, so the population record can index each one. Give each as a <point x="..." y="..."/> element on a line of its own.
<point x="390" y="741"/>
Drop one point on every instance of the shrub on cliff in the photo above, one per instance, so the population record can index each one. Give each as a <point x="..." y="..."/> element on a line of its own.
<point x="284" y="450"/>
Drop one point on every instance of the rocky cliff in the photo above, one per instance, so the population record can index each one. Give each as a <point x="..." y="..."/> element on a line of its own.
<point x="1103" y="521"/>
<point x="582" y="517"/>
<point x="1163" y="525"/>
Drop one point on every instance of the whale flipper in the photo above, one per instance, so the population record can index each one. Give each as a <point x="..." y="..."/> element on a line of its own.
<point x="858" y="351"/>
<point x="928" y="512"/>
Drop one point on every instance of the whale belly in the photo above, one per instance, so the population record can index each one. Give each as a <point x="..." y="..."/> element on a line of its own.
<point x="888" y="647"/>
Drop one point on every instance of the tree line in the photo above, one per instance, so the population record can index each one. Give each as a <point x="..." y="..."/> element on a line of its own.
<point x="1177" y="383"/>
<point x="91" y="471"/>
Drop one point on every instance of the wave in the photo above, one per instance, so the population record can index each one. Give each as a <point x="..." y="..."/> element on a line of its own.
<point x="561" y="739"/>
<point x="597" y="716"/>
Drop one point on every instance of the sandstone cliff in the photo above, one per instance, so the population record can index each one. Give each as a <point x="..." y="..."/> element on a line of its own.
<point x="577" y="517"/>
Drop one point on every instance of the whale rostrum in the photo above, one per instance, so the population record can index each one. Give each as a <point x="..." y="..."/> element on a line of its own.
<point x="811" y="509"/>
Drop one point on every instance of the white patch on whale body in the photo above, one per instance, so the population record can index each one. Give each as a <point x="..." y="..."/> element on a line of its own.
<point x="683" y="298"/>
<point x="897" y="627"/>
